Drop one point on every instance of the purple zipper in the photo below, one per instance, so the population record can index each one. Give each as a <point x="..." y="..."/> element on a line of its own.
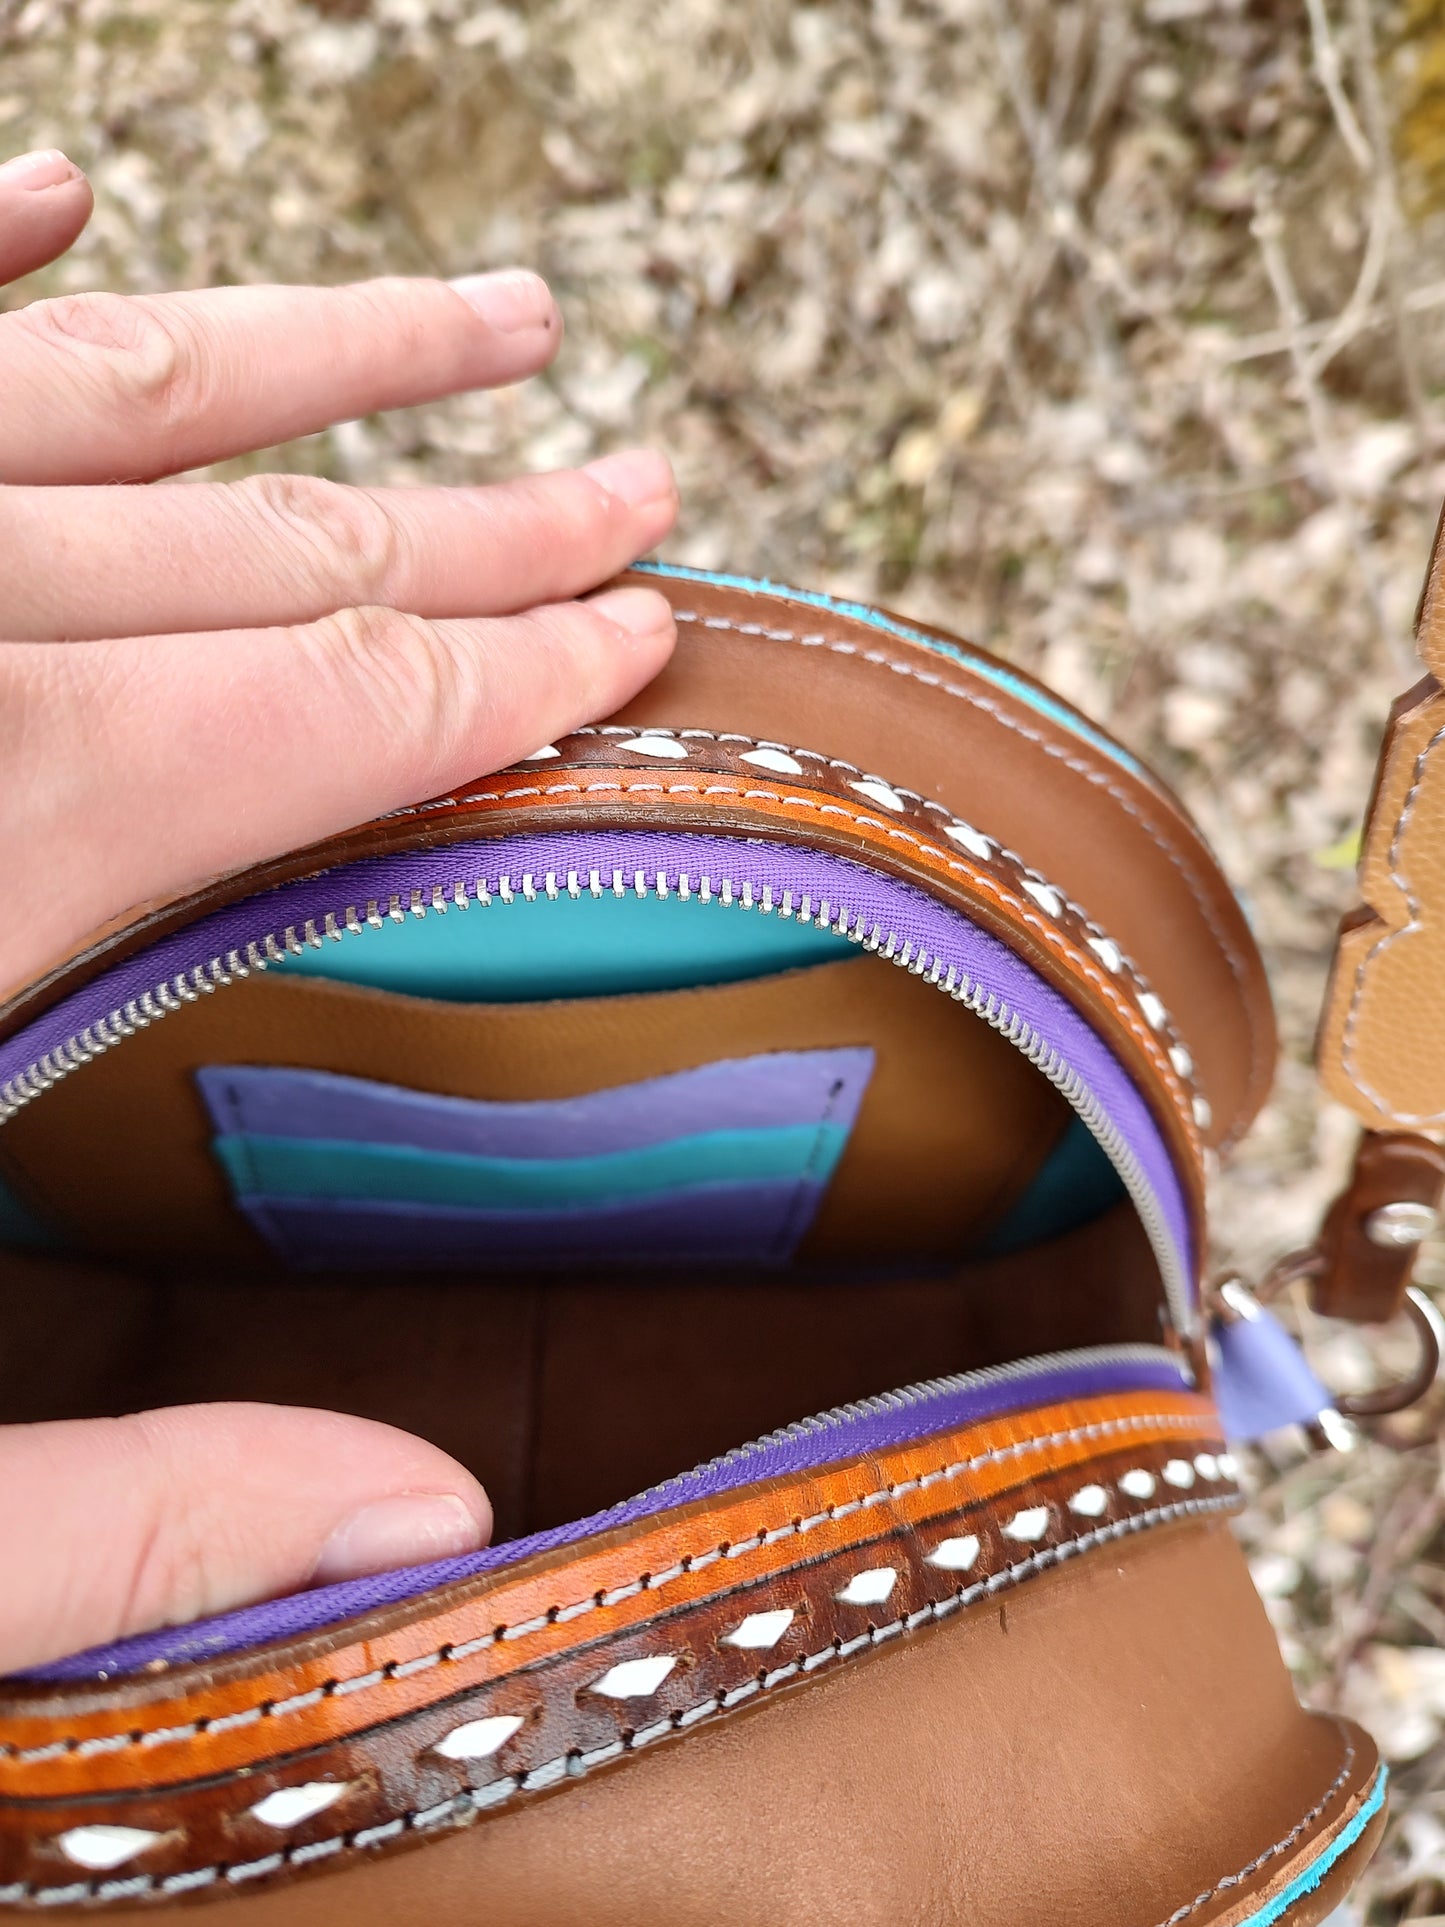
<point x="873" y="1425"/>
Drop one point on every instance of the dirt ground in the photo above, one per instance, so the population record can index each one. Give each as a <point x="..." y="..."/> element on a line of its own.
<point x="1108" y="332"/>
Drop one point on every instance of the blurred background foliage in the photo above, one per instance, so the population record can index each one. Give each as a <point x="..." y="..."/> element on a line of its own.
<point x="1109" y="332"/>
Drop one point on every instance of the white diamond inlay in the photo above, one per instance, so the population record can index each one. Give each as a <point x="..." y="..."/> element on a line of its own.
<point x="544" y="754"/>
<point x="1108" y="952"/>
<point x="288" y="1806"/>
<point x="759" y="1631"/>
<point x="1154" y="1012"/>
<point x="1047" y="898"/>
<point x="954" y="1555"/>
<point x="1203" y="1115"/>
<point x="1228" y="1465"/>
<point x="970" y="839"/>
<point x="776" y="760"/>
<point x="634" y="1679"/>
<point x="869" y="1588"/>
<point x="657" y="746"/>
<point x="101" y="1848"/>
<point x="1179" y="1472"/>
<point x="478" y="1739"/>
<point x="1139" y="1484"/>
<point x="1206" y="1465"/>
<point x="1182" y="1061"/>
<point x="1028" y="1525"/>
<point x="882" y="794"/>
<point x="1090" y="1502"/>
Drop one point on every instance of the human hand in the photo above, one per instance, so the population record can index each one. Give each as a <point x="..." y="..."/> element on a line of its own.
<point x="194" y="678"/>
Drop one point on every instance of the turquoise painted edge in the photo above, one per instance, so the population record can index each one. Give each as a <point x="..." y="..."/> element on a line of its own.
<point x="1001" y="678"/>
<point x="1306" y="1882"/>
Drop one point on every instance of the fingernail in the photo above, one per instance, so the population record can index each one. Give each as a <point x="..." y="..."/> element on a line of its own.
<point x="636" y="476"/>
<point x="46" y="167"/>
<point x="411" y="1529"/>
<point x="641" y="612"/>
<point x="512" y="301"/>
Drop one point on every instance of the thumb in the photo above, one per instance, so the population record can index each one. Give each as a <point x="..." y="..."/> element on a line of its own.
<point x="116" y="1526"/>
<point x="136" y="769"/>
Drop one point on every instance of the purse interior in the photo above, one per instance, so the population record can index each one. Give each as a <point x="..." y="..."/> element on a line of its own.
<point x="584" y="1185"/>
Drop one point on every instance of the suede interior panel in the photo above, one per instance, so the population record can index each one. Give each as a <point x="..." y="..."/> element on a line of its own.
<point x="561" y="1396"/>
<point x="952" y="1126"/>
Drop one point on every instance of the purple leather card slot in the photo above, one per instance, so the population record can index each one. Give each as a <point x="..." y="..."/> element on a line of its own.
<point x="746" y="1093"/>
<point x="706" y="1224"/>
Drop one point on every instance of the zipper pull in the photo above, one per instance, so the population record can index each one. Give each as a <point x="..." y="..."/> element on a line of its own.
<point x="1261" y="1379"/>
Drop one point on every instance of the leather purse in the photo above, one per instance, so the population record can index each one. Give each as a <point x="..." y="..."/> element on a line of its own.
<point x="829" y="1052"/>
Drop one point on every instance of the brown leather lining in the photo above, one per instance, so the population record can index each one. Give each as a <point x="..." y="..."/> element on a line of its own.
<point x="561" y="1394"/>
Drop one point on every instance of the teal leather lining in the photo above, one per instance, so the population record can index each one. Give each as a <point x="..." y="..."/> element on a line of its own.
<point x="281" y="1167"/>
<point x="1305" y="1883"/>
<point x="527" y="952"/>
<point x="1075" y="1184"/>
<point x="20" y="1228"/>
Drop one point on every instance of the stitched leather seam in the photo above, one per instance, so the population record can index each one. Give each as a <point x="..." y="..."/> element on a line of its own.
<point x="1098" y="778"/>
<point x="605" y="1600"/>
<point x="1280" y="1846"/>
<point x="1382" y="944"/>
<point x="464" y="1807"/>
<point x="1056" y="939"/>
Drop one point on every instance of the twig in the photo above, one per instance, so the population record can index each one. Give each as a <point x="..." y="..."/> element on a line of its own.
<point x="1327" y="67"/>
<point x="1383" y="169"/>
<point x="1267" y="228"/>
<point x="1279" y="341"/>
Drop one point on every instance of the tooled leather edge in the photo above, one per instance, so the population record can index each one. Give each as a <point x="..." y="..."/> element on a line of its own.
<point x="1142" y="802"/>
<point x="211" y="1713"/>
<point x="790" y="794"/>
<point x="594" y="1705"/>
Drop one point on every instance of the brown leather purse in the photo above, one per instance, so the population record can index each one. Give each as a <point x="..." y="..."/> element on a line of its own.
<point x="848" y="1014"/>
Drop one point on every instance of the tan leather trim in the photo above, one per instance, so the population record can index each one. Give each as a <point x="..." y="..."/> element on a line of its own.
<point x="1119" y="844"/>
<point x="1114" y="1741"/>
<point x="1114" y="843"/>
<point x="1381" y="1049"/>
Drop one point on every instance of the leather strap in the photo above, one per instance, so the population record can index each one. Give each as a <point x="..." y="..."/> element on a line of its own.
<point x="1381" y="1047"/>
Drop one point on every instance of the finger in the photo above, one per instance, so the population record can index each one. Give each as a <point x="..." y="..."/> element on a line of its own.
<point x="45" y="201"/>
<point x="104" y="388"/>
<point x="96" y="562"/>
<point x="115" y="1526"/>
<point x="135" y="769"/>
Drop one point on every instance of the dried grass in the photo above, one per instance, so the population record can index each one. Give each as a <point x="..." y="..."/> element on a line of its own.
<point x="1093" y="329"/>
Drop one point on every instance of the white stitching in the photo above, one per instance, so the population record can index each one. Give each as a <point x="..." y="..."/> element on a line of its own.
<point x="1382" y="944"/>
<point x="1280" y="1846"/>
<point x="597" y="1602"/>
<point x="1141" y="1031"/>
<point x="463" y="1806"/>
<point x="1097" y="778"/>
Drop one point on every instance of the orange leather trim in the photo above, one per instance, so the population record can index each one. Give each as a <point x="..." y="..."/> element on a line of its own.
<point x="608" y="791"/>
<point x="730" y="1541"/>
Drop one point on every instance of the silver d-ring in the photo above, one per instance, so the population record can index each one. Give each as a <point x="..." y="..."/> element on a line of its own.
<point x="1430" y="1330"/>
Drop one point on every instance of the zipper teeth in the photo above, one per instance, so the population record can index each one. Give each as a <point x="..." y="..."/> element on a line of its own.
<point x="951" y="1384"/>
<point x="188" y="987"/>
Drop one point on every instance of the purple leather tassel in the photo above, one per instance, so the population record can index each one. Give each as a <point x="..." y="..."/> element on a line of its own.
<point x="1262" y="1380"/>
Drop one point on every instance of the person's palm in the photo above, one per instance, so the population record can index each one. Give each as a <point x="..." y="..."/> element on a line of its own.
<point x="196" y="677"/>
